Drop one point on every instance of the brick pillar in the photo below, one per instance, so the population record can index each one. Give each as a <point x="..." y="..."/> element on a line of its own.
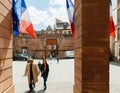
<point x="91" y="46"/>
<point x="6" y="78"/>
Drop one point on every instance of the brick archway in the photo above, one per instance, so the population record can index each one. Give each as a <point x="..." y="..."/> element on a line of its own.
<point x="53" y="52"/>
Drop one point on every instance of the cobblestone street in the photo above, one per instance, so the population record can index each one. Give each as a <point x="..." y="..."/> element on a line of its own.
<point x="61" y="77"/>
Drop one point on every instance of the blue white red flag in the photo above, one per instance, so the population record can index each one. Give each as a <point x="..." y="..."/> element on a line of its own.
<point x="70" y="10"/>
<point x="112" y="27"/>
<point x="21" y="19"/>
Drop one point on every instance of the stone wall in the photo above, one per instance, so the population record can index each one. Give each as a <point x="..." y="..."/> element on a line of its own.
<point x="37" y="46"/>
<point x="6" y="83"/>
<point x="91" y="46"/>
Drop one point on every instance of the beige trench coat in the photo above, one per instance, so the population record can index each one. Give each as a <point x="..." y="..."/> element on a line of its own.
<point x="35" y="72"/>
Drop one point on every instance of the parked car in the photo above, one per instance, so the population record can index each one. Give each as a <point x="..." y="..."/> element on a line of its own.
<point x="19" y="57"/>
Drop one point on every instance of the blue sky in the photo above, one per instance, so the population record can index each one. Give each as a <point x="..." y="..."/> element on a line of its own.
<point x="39" y="4"/>
<point x="44" y="12"/>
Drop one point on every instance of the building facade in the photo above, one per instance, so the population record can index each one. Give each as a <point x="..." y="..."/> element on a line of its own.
<point x="38" y="47"/>
<point x="115" y="43"/>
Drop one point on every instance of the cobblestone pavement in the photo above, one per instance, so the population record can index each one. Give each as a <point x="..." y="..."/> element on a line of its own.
<point x="60" y="79"/>
<point x="114" y="77"/>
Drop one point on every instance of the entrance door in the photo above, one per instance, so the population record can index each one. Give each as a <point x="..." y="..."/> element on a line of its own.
<point x="51" y="48"/>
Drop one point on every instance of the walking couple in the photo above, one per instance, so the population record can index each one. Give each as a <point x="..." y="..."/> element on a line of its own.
<point x="31" y="72"/>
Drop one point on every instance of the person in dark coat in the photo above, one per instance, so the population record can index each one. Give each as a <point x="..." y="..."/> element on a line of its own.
<point x="39" y="66"/>
<point x="57" y="59"/>
<point x="44" y="72"/>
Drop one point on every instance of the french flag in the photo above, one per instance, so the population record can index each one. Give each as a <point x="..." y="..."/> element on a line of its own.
<point x="70" y="10"/>
<point x="112" y="27"/>
<point x="21" y="19"/>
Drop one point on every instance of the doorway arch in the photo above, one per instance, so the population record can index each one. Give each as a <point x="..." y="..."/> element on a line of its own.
<point x="52" y="51"/>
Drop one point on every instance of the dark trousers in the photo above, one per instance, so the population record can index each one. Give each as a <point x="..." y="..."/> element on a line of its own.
<point x="45" y="79"/>
<point x="31" y="85"/>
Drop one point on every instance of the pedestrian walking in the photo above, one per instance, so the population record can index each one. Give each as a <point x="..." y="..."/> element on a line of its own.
<point x="45" y="72"/>
<point x="57" y="59"/>
<point x="31" y="72"/>
<point x="50" y="56"/>
<point x="39" y="66"/>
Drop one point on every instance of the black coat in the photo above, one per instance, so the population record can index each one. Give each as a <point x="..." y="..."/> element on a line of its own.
<point x="39" y="66"/>
<point x="44" y="71"/>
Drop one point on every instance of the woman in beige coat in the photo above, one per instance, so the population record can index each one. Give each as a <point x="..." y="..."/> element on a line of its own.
<point x="32" y="73"/>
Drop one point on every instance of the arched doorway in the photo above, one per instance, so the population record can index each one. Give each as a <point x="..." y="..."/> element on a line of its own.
<point x="51" y="49"/>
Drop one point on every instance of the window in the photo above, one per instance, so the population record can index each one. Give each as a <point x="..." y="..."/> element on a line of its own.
<point x="65" y="25"/>
<point x="59" y="24"/>
<point x="118" y="33"/>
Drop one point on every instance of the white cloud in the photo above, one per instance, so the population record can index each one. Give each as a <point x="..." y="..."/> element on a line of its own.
<point x="57" y="9"/>
<point x="59" y="2"/>
<point x="59" y="13"/>
<point x="47" y="17"/>
<point x="37" y="16"/>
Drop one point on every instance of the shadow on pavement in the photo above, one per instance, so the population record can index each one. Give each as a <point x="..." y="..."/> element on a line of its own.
<point x="115" y="63"/>
<point x="41" y="91"/>
<point x="28" y="91"/>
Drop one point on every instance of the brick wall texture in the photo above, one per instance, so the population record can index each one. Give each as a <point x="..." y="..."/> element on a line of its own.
<point x="91" y="44"/>
<point x="6" y="83"/>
